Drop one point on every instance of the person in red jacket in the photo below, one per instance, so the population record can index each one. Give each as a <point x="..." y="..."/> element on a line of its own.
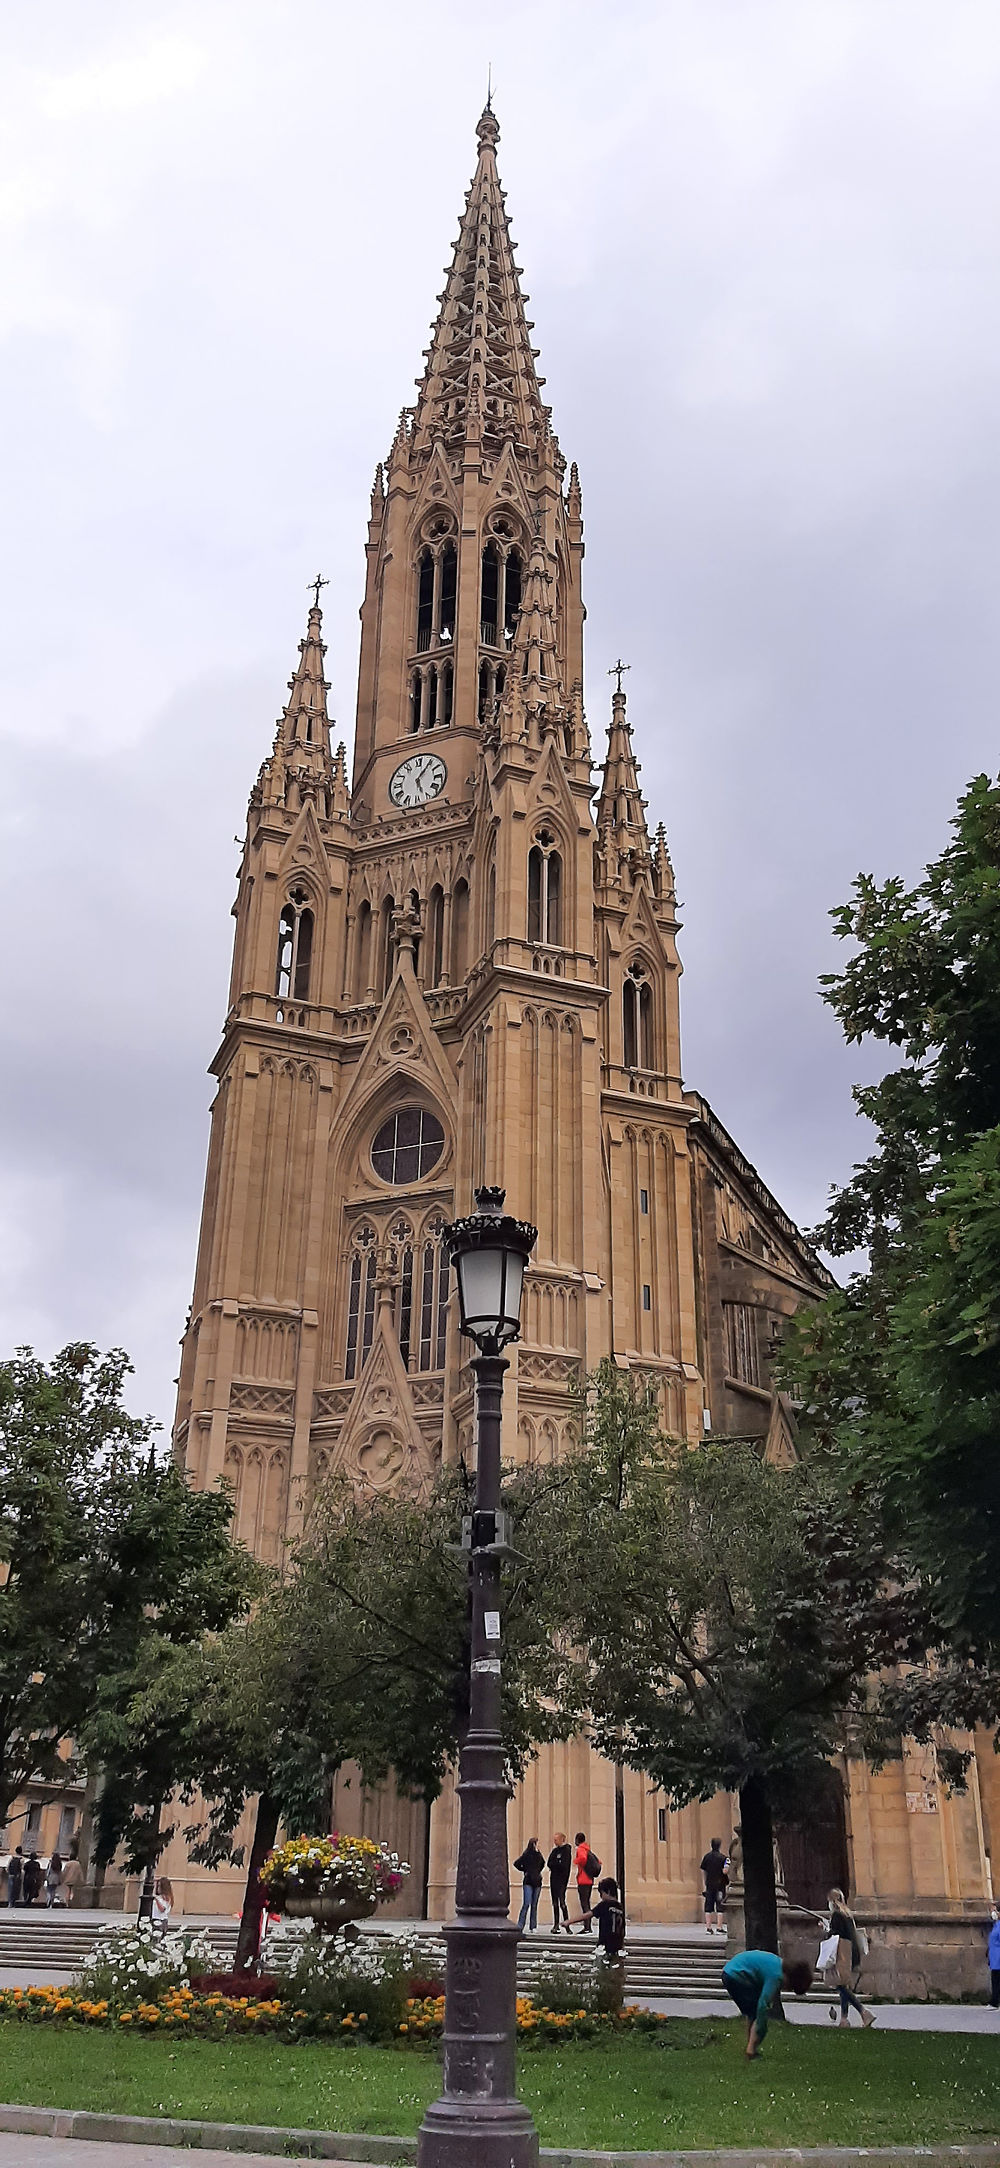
<point x="588" y="1867"/>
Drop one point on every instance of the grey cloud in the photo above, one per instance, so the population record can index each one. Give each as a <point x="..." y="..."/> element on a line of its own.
<point x="759" y="241"/>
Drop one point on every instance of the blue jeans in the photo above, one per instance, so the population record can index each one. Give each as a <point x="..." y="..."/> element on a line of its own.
<point x="529" y="1903"/>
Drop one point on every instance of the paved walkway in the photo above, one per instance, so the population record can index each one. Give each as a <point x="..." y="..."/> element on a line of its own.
<point x="18" y="2152"/>
<point x="951" y="2017"/>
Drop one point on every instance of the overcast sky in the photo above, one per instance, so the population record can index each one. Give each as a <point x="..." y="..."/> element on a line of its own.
<point x="760" y="239"/>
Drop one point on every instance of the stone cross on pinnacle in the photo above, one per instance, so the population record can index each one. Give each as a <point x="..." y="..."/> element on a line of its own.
<point x="316" y="584"/>
<point x="616" y="670"/>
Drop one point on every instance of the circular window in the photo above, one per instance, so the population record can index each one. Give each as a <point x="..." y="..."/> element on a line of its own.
<point x="407" y="1146"/>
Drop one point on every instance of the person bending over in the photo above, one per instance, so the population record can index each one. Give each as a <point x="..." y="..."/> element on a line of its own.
<point x="754" y="1979"/>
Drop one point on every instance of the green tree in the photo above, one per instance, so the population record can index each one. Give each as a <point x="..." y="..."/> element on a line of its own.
<point x="358" y="1654"/>
<point x="730" y="1616"/>
<point x="101" y="1547"/>
<point x="900" y="1370"/>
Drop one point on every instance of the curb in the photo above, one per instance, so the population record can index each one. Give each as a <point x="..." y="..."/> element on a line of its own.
<point x="391" y="2152"/>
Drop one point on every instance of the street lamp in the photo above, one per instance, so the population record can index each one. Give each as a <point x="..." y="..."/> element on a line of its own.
<point x="478" y="2121"/>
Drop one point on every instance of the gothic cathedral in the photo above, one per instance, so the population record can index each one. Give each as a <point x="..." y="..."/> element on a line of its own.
<point x="462" y="968"/>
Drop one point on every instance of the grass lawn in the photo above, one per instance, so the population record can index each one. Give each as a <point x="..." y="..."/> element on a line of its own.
<point x="689" y="2086"/>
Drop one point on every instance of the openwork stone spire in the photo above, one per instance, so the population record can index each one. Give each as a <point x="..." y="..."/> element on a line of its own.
<point x="480" y="378"/>
<point x="305" y="721"/>
<point x="623" y="838"/>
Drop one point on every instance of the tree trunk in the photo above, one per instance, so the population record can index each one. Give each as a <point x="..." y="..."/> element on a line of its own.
<point x="265" y="1831"/>
<point x="759" y="1895"/>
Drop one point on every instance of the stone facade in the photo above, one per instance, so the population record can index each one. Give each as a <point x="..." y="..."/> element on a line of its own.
<point x="461" y="967"/>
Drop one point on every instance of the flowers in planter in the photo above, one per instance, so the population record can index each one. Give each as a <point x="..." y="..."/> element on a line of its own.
<point x="351" y="1870"/>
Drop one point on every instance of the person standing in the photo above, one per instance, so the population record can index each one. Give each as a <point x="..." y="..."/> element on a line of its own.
<point x="993" y="1961"/>
<point x="72" y="1876"/>
<point x="851" y="1955"/>
<point x="53" y="1881"/>
<point x="754" y="1979"/>
<point x="588" y="1867"/>
<point x="714" y="1870"/>
<point x="531" y="1867"/>
<point x="31" y="1880"/>
<point x="163" y="1902"/>
<point x="609" y="1917"/>
<point x="15" y="1870"/>
<point x="559" y="1862"/>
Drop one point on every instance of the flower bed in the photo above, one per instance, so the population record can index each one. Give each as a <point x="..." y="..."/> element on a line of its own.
<point x="180" y="2010"/>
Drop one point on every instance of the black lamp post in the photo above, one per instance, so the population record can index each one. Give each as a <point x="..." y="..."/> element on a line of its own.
<point x="478" y="2121"/>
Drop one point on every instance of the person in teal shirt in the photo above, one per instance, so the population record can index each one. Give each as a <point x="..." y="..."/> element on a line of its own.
<point x="754" y="1979"/>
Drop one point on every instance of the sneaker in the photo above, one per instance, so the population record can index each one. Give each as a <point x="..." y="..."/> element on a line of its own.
<point x="867" y="2017"/>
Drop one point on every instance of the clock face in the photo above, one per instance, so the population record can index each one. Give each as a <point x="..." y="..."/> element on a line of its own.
<point x="418" y="780"/>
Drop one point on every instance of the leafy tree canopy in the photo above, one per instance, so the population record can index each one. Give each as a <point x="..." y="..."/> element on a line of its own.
<point x="900" y="1370"/>
<point x="102" y="1548"/>
<point x="731" y="1617"/>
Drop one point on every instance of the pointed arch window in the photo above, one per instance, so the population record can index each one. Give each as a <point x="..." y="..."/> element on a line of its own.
<point x="449" y="590"/>
<point x="512" y="595"/>
<point x="459" y="933"/>
<point x="295" y="943"/>
<point x="545" y="891"/>
<point x="434" y="951"/>
<point x="362" y="981"/>
<point x="360" y="1301"/>
<point x="637" y="1019"/>
<point x="489" y="608"/>
<point x="425" y="601"/>
<point x="446" y="693"/>
<point x="416" y="697"/>
<point x="385" y="946"/>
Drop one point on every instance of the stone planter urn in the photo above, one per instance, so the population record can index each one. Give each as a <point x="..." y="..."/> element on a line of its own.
<point x="331" y="1909"/>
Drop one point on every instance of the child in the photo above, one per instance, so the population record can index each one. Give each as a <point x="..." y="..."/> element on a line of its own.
<point x="610" y="1918"/>
<point x="754" y="1979"/>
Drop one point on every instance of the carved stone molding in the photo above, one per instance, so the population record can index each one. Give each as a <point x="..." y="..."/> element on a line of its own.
<point x="262" y="1400"/>
<point x="547" y="1369"/>
<point x="333" y="1401"/>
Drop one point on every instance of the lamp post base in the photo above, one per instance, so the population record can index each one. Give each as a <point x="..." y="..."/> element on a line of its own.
<point x="479" y="2122"/>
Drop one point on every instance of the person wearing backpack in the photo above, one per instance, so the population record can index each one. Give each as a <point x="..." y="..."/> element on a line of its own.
<point x="852" y="1949"/>
<point x="588" y="1867"/>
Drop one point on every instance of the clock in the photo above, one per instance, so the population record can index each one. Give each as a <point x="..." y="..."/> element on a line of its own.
<point x="418" y="780"/>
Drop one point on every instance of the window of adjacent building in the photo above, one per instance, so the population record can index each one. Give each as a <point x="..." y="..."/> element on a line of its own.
<point x="32" y="1827"/>
<point x="295" y="940"/>
<point x="637" y="1019"/>
<point x="661" y="1824"/>
<point x="407" y="1146"/>
<point x="742" y="1351"/>
<point x="544" y="890"/>
<point x="644" y="1200"/>
<point x="647" y="1297"/>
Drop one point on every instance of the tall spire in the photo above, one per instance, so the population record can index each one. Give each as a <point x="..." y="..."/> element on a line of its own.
<point x="623" y="838"/>
<point x="305" y="722"/>
<point x="481" y="363"/>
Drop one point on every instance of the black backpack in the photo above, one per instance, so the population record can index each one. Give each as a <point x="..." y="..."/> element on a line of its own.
<point x="593" y="1865"/>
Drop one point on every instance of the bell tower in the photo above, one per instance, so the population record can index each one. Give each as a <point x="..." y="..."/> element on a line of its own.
<point x="454" y="972"/>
